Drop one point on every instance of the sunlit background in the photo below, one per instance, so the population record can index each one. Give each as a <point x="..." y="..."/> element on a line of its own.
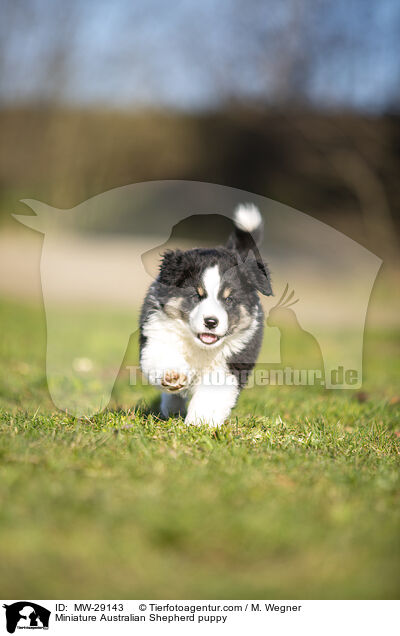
<point x="297" y="101"/>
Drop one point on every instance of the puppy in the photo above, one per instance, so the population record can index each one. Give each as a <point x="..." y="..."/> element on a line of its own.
<point x="201" y="323"/>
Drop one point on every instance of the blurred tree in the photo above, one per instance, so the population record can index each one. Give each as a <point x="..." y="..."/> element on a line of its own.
<point x="238" y="58"/>
<point x="188" y="55"/>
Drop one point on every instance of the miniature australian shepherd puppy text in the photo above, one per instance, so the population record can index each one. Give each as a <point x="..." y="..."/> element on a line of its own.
<point x="201" y="324"/>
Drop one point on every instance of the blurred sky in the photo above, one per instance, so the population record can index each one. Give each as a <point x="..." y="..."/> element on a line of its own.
<point x="333" y="54"/>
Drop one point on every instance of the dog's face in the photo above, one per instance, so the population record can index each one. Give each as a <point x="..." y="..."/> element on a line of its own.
<point x="212" y="291"/>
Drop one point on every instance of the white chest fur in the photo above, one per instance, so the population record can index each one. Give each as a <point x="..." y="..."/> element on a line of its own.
<point x="213" y="389"/>
<point x="171" y="345"/>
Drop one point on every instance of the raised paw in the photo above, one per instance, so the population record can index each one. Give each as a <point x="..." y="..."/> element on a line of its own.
<point x="174" y="381"/>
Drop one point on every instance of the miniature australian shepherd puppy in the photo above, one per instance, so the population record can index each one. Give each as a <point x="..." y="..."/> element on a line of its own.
<point x="201" y="324"/>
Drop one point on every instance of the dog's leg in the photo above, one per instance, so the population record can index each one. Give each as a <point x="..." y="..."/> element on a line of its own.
<point x="164" y="367"/>
<point x="212" y="399"/>
<point x="172" y="404"/>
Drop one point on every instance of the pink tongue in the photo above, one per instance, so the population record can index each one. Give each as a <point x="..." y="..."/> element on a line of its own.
<point x="208" y="338"/>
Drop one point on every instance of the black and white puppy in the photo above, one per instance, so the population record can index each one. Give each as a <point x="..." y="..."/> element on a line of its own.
<point x="201" y="324"/>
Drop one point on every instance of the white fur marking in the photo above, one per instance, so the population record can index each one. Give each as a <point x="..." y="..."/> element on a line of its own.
<point x="213" y="399"/>
<point x="247" y="217"/>
<point x="210" y="306"/>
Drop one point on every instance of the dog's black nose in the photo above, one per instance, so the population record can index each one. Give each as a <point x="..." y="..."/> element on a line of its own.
<point x="211" y="322"/>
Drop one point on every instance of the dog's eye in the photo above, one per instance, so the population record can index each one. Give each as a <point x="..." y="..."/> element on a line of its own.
<point x="195" y="295"/>
<point x="229" y="300"/>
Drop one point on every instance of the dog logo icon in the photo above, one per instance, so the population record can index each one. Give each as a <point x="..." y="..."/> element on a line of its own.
<point x="26" y="615"/>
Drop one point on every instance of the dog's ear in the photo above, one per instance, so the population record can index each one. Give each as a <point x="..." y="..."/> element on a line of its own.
<point x="171" y="268"/>
<point x="257" y="273"/>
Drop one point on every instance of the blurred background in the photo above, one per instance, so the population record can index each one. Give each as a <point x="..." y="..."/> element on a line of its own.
<point x="297" y="101"/>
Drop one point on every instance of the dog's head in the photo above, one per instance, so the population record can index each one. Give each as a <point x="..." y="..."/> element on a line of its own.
<point x="212" y="291"/>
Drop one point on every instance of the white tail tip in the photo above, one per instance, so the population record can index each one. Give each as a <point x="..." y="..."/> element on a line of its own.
<point x="247" y="217"/>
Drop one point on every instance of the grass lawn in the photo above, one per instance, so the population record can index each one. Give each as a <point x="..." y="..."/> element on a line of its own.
<point x="297" y="497"/>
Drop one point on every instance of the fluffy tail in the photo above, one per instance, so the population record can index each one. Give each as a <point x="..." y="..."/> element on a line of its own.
<point x="248" y="228"/>
<point x="245" y="239"/>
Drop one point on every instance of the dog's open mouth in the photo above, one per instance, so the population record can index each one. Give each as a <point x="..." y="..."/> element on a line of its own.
<point x="208" y="338"/>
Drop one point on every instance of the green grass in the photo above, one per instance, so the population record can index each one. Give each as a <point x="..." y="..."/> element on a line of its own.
<point x="297" y="497"/>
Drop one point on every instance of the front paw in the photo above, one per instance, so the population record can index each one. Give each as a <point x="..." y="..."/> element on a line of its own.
<point x="173" y="381"/>
<point x="197" y="419"/>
